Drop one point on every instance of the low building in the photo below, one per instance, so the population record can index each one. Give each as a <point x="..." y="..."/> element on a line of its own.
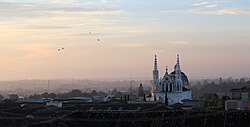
<point x="233" y="105"/>
<point x="240" y="99"/>
<point x="195" y="104"/>
<point x="54" y="103"/>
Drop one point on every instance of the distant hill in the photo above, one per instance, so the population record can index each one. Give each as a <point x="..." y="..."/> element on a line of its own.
<point x="29" y="87"/>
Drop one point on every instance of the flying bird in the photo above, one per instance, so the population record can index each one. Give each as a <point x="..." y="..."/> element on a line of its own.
<point x="94" y="34"/>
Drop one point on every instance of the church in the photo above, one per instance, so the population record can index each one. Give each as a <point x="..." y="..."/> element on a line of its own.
<point x="172" y="85"/>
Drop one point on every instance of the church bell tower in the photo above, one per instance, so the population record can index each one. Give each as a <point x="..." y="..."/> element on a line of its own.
<point x="155" y="81"/>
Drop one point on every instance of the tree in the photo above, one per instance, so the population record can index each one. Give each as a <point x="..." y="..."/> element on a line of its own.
<point x="222" y="102"/>
<point x="52" y="95"/>
<point x="210" y="100"/>
<point x="1" y="97"/>
<point x="101" y="93"/>
<point x="13" y="97"/>
<point x="74" y="93"/>
<point x="114" y="92"/>
<point x="94" y="93"/>
<point x="117" y="94"/>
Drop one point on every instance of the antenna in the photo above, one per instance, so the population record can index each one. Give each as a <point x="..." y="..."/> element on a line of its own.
<point x="48" y="86"/>
<point x="131" y="81"/>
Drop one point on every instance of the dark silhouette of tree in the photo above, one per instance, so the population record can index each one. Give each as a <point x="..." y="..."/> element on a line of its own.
<point x="210" y="100"/>
<point x="13" y="97"/>
<point x="73" y="93"/>
<point x="222" y="102"/>
<point x="101" y="93"/>
<point x="93" y="93"/>
<point x="117" y="94"/>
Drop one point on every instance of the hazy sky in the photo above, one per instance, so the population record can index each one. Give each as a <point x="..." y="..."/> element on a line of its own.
<point x="212" y="38"/>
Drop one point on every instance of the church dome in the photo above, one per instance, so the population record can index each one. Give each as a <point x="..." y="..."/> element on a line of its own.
<point x="183" y="77"/>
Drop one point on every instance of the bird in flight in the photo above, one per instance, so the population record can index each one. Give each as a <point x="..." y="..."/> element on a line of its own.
<point x="60" y="49"/>
<point x="90" y="33"/>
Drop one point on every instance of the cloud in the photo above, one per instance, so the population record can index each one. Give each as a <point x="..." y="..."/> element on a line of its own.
<point x="32" y="10"/>
<point x="212" y="5"/>
<point x="86" y="11"/>
<point x="234" y="11"/>
<point x="206" y="8"/>
<point x="222" y="12"/>
<point x="81" y="2"/>
<point x="206" y="4"/>
<point x="63" y="1"/>
<point x="200" y="4"/>
<point x="46" y="27"/>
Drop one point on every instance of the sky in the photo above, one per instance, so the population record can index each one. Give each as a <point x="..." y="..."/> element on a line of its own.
<point x="211" y="36"/>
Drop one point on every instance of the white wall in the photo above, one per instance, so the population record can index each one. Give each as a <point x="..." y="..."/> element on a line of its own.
<point x="173" y="97"/>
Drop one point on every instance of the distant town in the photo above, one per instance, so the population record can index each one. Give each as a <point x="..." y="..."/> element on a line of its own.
<point x="83" y="101"/>
<point x="204" y="90"/>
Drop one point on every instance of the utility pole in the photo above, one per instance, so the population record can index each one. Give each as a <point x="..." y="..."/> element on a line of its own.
<point x="48" y="86"/>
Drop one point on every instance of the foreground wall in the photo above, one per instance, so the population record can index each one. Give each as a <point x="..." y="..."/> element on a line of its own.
<point x="137" y="119"/>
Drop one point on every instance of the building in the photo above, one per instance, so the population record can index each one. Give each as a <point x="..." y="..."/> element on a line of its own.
<point x="240" y="99"/>
<point x="54" y="103"/>
<point x="195" y="104"/>
<point x="174" y="86"/>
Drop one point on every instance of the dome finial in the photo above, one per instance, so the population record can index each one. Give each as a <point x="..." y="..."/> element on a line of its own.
<point x="178" y="58"/>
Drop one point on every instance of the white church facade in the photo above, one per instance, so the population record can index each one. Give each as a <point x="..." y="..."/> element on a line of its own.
<point x="172" y="85"/>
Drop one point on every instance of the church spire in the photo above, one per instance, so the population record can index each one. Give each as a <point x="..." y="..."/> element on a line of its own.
<point x="178" y="62"/>
<point x="178" y="79"/>
<point x="178" y="58"/>
<point x="155" y="71"/>
<point x="155" y="64"/>
<point x="155" y="81"/>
